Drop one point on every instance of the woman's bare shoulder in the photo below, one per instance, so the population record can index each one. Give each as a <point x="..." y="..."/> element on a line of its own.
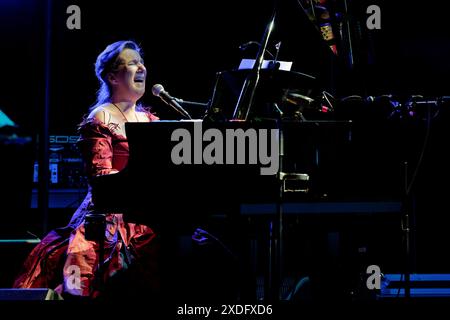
<point x="101" y="113"/>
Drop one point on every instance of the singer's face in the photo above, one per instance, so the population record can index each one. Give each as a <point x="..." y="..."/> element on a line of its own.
<point x="131" y="75"/>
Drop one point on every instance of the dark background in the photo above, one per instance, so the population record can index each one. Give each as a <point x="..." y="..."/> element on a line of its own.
<point x="186" y="43"/>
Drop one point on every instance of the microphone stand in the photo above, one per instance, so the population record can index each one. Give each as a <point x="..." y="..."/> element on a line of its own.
<point x="408" y="214"/>
<point x="408" y="208"/>
<point x="193" y="103"/>
<point x="406" y="228"/>
<point x="177" y="107"/>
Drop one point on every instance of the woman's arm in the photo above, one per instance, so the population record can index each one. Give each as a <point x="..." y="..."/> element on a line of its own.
<point x="95" y="144"/>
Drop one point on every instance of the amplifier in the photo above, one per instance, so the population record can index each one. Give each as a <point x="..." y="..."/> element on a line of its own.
<point x="65" y="163"/>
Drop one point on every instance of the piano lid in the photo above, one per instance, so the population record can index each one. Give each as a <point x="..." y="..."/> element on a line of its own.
<point x="294" y="38"/>
<point x="315" y="36"/>
<point x="304" y="35"/>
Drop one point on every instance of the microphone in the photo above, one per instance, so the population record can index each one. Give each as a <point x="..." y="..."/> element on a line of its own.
<point x="246" y="45"/>
<point x="158" y="91"/>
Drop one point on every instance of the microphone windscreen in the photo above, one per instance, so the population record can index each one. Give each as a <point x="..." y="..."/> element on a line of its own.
<point x="157" y="89"/>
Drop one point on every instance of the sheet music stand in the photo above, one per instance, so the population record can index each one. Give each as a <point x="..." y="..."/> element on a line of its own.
<point x="271" y="88"/>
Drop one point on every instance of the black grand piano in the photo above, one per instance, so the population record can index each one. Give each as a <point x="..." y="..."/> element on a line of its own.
<point x="227" y="162"/>
<point x="155" y="186"/>
<point x="290" y="101"/>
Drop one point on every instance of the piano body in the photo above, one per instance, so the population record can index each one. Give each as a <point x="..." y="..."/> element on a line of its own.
<point x="155" y="185"/>
<point x="153" y="188"/>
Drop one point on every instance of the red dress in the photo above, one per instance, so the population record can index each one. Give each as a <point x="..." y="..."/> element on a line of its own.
<point x="64" y="260"/>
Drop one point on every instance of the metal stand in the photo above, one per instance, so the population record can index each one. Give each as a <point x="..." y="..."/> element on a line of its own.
<point x="408" y="220"/>
<point x="406" y="229"/>
<point x="276" y="234"/>
<point x="288" y="182"/>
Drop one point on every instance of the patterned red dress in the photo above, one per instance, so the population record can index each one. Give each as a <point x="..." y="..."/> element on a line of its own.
<point x="64" y="260"/>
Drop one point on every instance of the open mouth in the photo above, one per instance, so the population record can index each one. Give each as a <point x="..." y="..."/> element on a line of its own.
<point x="139" y="77"/>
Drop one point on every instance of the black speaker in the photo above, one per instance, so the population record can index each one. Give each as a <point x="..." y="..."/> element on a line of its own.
<point x="26" y="294"/>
